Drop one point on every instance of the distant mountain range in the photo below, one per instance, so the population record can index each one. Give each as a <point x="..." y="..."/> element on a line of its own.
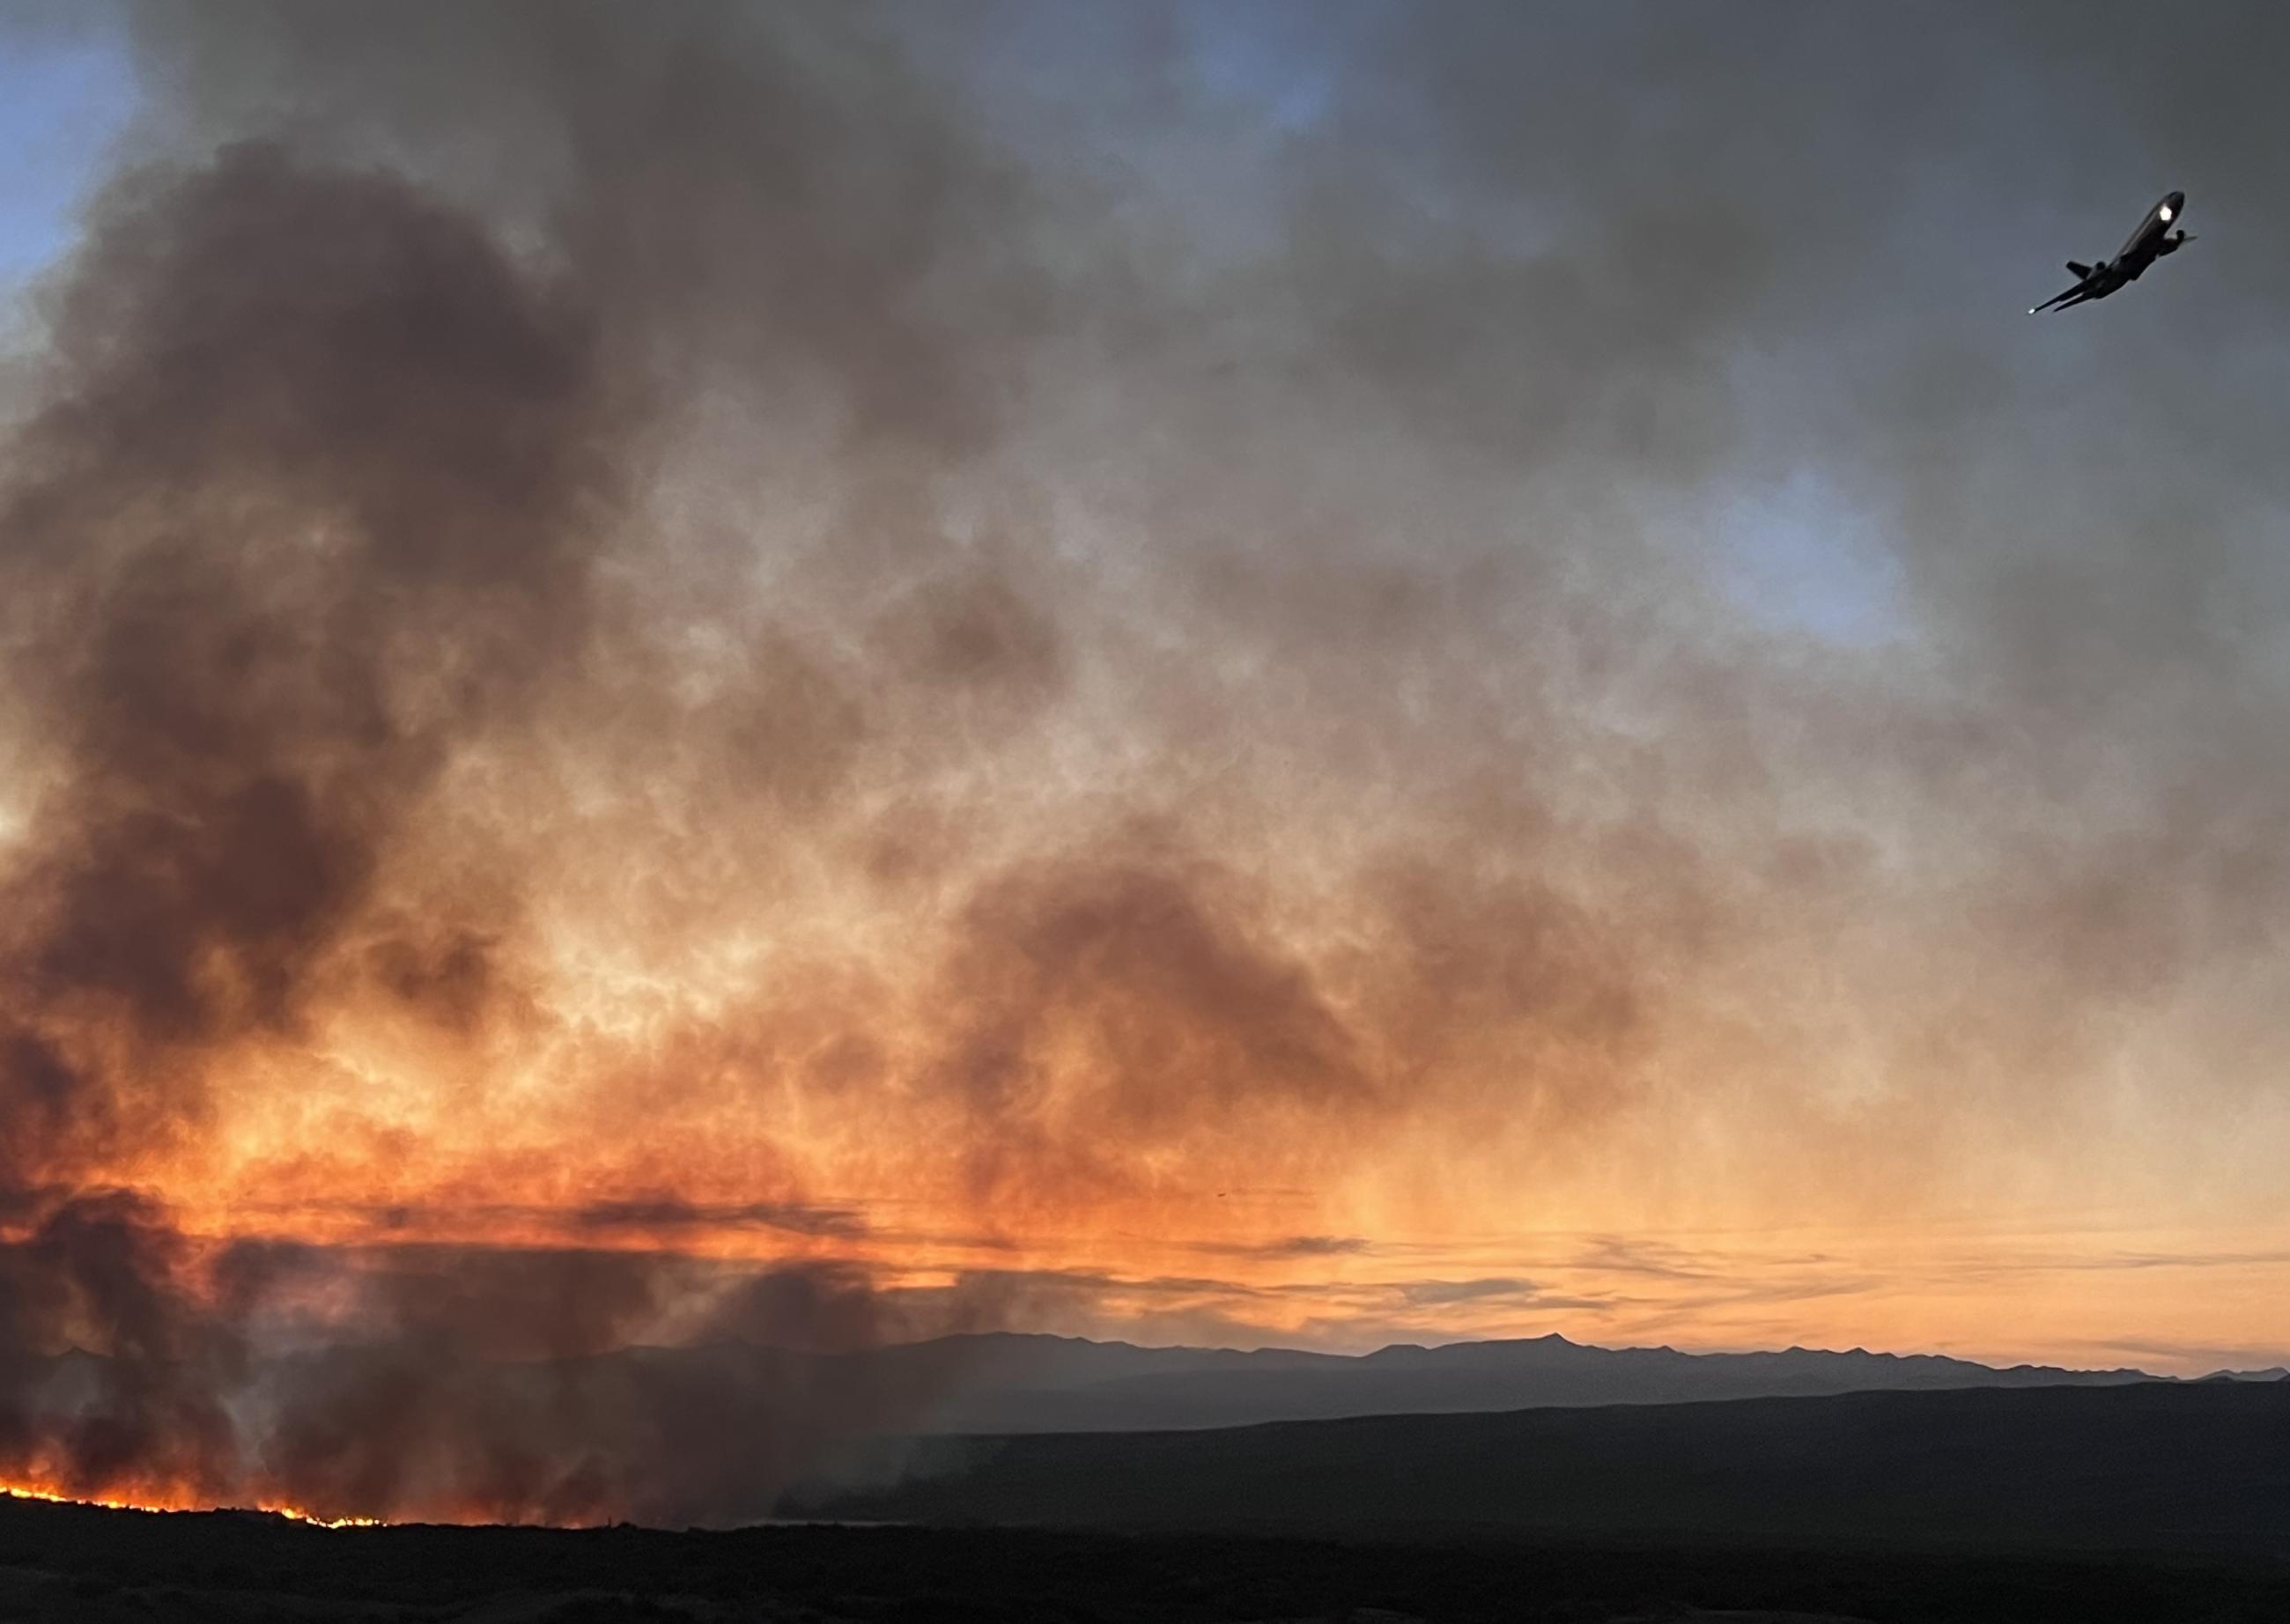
<point x="1034" y="1384"/>
<point x="1011" y="1383"/>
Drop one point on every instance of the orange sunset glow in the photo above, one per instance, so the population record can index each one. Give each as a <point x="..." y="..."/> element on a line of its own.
<point x="715" y="680"/>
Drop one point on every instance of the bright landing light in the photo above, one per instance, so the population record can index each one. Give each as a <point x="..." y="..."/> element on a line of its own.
<point x="2166" y="214"/>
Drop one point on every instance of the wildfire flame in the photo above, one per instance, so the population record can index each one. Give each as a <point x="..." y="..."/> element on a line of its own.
<point x="292" y="1514"/>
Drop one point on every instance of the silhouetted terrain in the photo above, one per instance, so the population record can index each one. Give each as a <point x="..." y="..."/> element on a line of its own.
<point x="1011" y="1384"/>
<point x="2197" y="1467"/>
<point x="76" y="1564"/>
<point x="1017" y="1384"/>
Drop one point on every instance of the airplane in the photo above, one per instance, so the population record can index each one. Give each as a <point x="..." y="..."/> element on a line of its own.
<point x="2152" y="240"/>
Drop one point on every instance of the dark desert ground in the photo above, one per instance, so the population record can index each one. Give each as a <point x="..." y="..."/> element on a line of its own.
<point x="68" y="1564"/>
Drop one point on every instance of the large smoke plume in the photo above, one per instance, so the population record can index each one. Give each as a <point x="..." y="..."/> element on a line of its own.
<point x="316" y="507"/>
<point x="687" y="685"/>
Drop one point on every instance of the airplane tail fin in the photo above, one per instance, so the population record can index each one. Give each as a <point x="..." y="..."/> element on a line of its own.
<point x="2080" y="270"/>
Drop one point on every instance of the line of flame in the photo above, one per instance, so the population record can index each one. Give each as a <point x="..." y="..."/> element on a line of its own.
<point x="294" y="1514"/>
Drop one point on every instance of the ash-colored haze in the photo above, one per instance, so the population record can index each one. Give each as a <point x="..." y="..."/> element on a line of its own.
<point x="1304" y="672"/>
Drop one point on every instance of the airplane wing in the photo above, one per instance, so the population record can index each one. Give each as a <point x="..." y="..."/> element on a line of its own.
<point x="2074" y="296"/>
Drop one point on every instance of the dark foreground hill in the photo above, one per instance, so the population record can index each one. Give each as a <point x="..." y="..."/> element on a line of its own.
<point x="2199" y="1467"/>
<point x="71" y="1564"/>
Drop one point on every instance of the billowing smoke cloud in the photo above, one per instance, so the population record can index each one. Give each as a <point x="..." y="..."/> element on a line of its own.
<point x="728" y="680"/>
<point x="316" y="507"/>
<point x="312" y="501"/>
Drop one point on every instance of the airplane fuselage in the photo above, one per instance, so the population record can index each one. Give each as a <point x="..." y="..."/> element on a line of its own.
<point x="2144" y="243"/>
<point x="2151" y="240"/>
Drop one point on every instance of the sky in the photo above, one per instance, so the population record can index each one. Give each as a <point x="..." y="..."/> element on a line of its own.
<point x="1266" y="674"/>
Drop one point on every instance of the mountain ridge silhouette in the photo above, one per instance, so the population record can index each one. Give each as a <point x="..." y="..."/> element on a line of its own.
<point x="1018" y="1383"/>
